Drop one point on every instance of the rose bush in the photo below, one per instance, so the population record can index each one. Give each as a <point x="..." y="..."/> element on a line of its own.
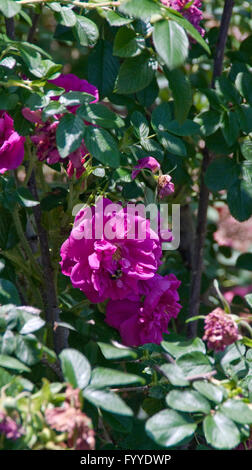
<point x="125" y="217"/>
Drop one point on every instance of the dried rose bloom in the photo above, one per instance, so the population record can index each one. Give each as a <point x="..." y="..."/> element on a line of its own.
<point x="69" y="418"/>
<point x="220" y="330"/>
<point x="9" y="427"/>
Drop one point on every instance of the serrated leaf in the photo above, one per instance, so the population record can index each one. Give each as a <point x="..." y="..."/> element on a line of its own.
<point x="75" y="367"/>
<point x="86" y="31"/>
<point x="171" y="43"/>
<point x="69" y="134"/>
<point x="127" y="43"/>
<point x="102" y="146"/>
<point x="136" y="73"/>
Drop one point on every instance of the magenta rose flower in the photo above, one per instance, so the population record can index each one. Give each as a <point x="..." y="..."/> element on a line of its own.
<point x="147" y="162"/>
<point x="145" y="321"/>
<point x="11" y="144"/>
<point x="189" y="9"/>
<point x="220" y="330"/>
<point x="109" y="252"/>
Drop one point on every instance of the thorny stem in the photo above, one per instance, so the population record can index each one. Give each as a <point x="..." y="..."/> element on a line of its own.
<point x="49" y="291"/>
<point x="197" y="265"/>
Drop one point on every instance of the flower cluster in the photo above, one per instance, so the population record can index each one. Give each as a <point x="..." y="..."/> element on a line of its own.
<point x="44" y="137"/>
<point x="11" y="144"/>
<point x="9" y="427"/>
<point x="220" y="330"/>
<point x="120" y="264"/>
<point x="189" y="9"/>
<point x="69" y="418"/>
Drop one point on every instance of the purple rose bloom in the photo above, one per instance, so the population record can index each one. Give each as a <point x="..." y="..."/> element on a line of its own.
<point x="147" y="162"/>
<point x="11" y="145"/>
<point x="145" y="321"/>
<point x="110" y="264"/>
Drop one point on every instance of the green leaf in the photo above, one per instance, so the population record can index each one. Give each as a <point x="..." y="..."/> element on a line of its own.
<point x="7" y="100"/>
<point x="66" y="16"/>
<point x="11" y="363"/>
<point x="171" y="43"/>
<point x="237" y="410"/>
<point x="140" y="125"/>
<point x="127" y="43"/>
<point x="25" y="198"/>
<point x="102" y="146"/>
<point x="75" y="98"/>
<point x="107" y="401"/>
<point x="178" y="348"/>
<point x="8" y="293"/>
<point x="142" y="9"/>
<point x="210" y="391"/>
<point x="69" y="134"/>
<point x="188" y="401"/>
<point x="86" y="31"/>
<point x="230" y="127"/>
<point x="182" y="21"/>
<point x="54" y="107"/>
<point x="9" y="8"/>
<point x="188" y="128"/>
<point x="244" y="261"/>
<point x="121" y="352"/>
<point x="181" y="91"/>
<point x="115" y="19"/>
<point x="161" y="117"/>
<point x="244" y="113"/>
<point x="27" y="350"/>
<point x="194" y="363"/>
<point x="226" y="90"/>
<point x="136" y="73"/>
<point x="172" y="144"/>
<point x="222" y="173"/>
<point x="175" y="375"/>
<point x="243" y="83"/>
<point x="97" y="113"/>
<point x="75" y="367"/>
<point x="221" y="432"/>
<point x="248" y="298"/>
<point x="102" y="377"/>
<point x="246" y="149"/>
<point x="32" y="325"/>
<point x="209" y="121"/>
<point x="169" y="428"/>
<point x="239" y="199"/>
<point x="103" y="68"/>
